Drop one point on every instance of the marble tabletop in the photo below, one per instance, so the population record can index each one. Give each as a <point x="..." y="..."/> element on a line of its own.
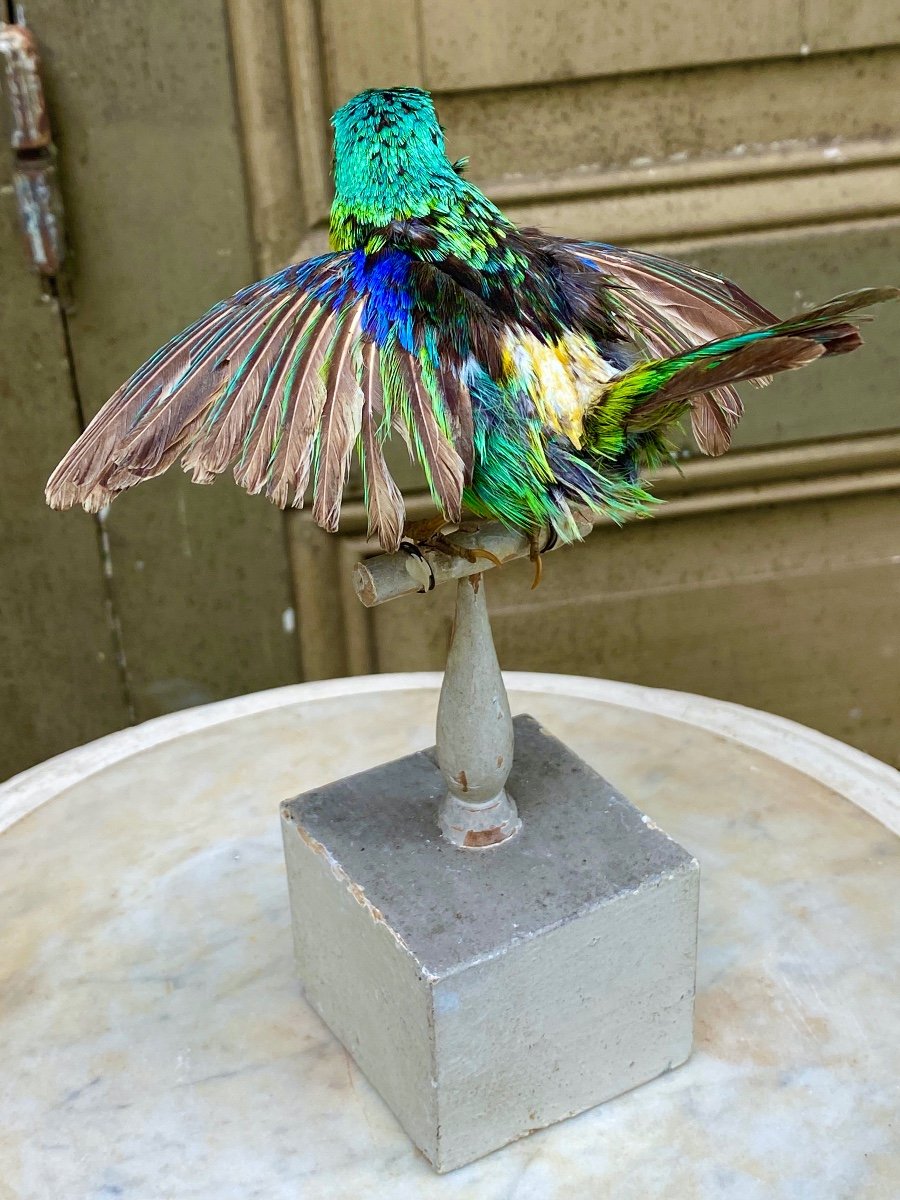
<point x="155" y="1045"/>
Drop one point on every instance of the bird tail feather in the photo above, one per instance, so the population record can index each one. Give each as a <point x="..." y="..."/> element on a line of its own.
<point x="652" y="394"/>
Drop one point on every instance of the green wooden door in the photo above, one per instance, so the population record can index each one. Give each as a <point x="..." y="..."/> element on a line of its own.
<point x="758" y="139"/>
<point x="188" y="600"/>
<point x="61" y="680"/>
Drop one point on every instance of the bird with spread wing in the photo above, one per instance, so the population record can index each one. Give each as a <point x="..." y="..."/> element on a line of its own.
<point x="532" y="376"/>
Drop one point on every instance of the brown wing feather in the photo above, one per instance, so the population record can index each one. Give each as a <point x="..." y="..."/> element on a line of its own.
<point x="339" y="423"/>
<point x="223" y="431"/>
<point x="670" y="307"/>
<point x="384" y="501"/>
<point x="277" y="442"/>
<point x="272" y="378"/>
<point x="85" y="472"/>
<point x="439" y="455"/>
<point x="144" y="448"/>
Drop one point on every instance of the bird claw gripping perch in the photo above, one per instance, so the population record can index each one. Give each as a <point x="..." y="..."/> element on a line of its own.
<point x="540" y="542"/>
<point x="383" y="577"/>
<point x="433" y="534"/>
<point x="419" y="566"/>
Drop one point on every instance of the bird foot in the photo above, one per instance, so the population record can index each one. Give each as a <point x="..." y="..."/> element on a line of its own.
<point x="434" y="534"/>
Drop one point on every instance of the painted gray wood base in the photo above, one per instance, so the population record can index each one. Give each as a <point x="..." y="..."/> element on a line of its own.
<point x="488" y="993"/>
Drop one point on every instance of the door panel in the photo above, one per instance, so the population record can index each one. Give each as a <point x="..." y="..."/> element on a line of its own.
<point x="531" y="41"/>
<point x="474" y="44"/>
<point x="152" y="172"/>
<point x="60" y="682"/>
<point x="739" y="110"/>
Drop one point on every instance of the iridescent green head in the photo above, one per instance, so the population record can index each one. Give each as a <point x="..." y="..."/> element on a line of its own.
<point x="389" y="159"/>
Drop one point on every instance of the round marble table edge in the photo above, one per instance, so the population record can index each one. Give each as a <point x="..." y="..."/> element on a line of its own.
<point x="870" y="784"/>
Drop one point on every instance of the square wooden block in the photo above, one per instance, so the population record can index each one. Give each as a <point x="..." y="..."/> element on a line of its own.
<point x="488" y="993"/>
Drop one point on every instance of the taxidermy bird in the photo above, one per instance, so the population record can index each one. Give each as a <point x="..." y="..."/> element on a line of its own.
<point x="532" y="376"/>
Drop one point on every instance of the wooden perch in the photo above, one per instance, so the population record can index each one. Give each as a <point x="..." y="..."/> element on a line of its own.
<point x="387" y="576"/>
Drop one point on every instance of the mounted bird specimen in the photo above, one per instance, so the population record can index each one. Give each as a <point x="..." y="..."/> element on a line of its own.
<point x="531" y="375"/>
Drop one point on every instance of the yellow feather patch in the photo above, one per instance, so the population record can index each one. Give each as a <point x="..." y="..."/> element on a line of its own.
<point x="563" y="379"/>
